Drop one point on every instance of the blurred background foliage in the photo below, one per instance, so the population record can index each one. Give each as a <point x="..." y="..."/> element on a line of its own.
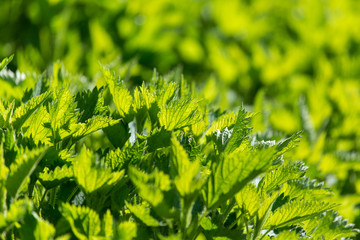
<point x="295" y="62"/>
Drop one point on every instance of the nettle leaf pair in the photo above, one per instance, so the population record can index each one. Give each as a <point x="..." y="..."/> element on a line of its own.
<point x="166" y="165"/>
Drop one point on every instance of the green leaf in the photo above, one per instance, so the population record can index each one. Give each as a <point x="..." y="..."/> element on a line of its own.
<point x="62" y="110"/>
<point x="306" y="121"/>
<point x="167" y="93"/>
<point x="143" y="213"/>
<point x="118" y="134"/>
<point x="159" y="138"/>
<point x="16" y="212"/>
<point x="188" y="178"/>
<point x="221" y="138"/>
<point x="240" y="131"/>
<point x="178" y="114"/>
<point x="152" y="187"/>
<point x="248" y="199"/>
<point x="295" y="212"/>
<point x="34" y="127"/>
<point x="92" y="125"/>
<point x="90" y="103"/>
<point x="22" y="168"/>
<point x="227" y="120"/>
<point x="329" y="226"/>
<point x="56" y="177"/>
<point x="7" y="114"/>
<point x="120" y="94"/>
<point x="108" y="224"/>
<point x="24" y="111"/>
<point x="93" y="178"/>
<point x="288" y="143"/>
<point x="120" y="158"/>
<point x="278" y="176"/>
<point x="5" y="62"/>
<point x="306" y="189"/>
<point x="84" y="222"/>
<point x="4" y="171"/>
<point x="287" y="235"/>
<point x="35" y="228"/>
<point x="144" y="97"/>
<point x="126" y="231"/>
<point x="234" y="171"/>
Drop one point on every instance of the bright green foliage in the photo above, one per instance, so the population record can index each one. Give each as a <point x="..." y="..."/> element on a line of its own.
<point x="143" y="214"/>
<point x="23" y="112"/>
<point x="281" y="175"/>
<point x="295" y="212"/>
<point x="84" y="222"/>
<point x="240" y="131"/>
<point x="35" y="228"/>
<point x="126" y="231"/>
<point x="225" y="120"/>
<point x="56" y="177"/>
<point x="188" y="178"/>
<point x="327" y="226"/>
<point x="5" y="62"/>
<point x="23" y="166"/>
<point x="152" y="187"/>
<point x="179" y="114"/>
<point x="295" y="64"/>
<point x="121" y="95"/>
<point x="151" y="161"/>
<point x="92" y="178"/>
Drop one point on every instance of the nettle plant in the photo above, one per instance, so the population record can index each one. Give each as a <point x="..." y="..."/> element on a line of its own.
<point x="165" y="165"/>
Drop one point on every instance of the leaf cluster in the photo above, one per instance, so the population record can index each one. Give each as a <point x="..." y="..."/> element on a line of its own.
<point x="168" y="166"/>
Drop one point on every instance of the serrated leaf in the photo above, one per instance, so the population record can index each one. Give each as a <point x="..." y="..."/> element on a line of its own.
<point x="92" y="125"/>
<point x="5" y="62"/>
<point x="7" y="115"/>
<point x="85" y="222"/>
<point x="234" y="171"/>
<point x="92" y="178"/>
<point x="126" y="231"/>
<point x="24" y="111"/>
<point x="240" y="131"/>
<point x="120" y="158"/>
<point x="179" y="114"/>
<point x="329" y="226"/>
<point x="90" y="103"/>
<point x="62" y="110"/>
<point x="108" y="224"/>
<point x="118" y="134"/>
<point x="159" y="138"/>
<point x="226" y="120"/>
<point x="151" y="187"/>
<point x="295" y="212"/>
<point x="288" y="143"/>
<point x="17" y="211"/>
<point x="248" y="200"/>
<point x="166" y="93"/>
<point x="221" y="138"/>
<point x="188" y="178"/>
<point x="288" y="235"/>
<point x="22" y="168"/>
<point x="121" y="95"/>
<point x="143" y="213"/>
<point x="56" y="177"/>
<point x="283" y="174"/>
<point x="306" y="189"/>
<point x="4" y="171"/>
<point x="34" y="127"/>
<point x="144" y="97"/>
<point x="35" y="228"/>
